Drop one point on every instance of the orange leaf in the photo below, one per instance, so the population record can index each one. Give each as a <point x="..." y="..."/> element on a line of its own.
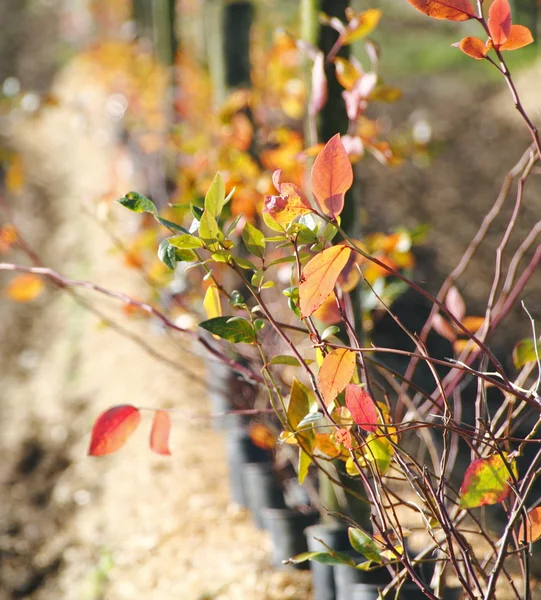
<point x="452" y="10"/>
<point x="262" y="436"/>
<point x="290" y="203"/>
<point x="343" y="437"/>
<point x="331" y="177"/>
<point x="328" y="313"/>
<point x="160" y="432"/>
<point x="112" y="428"/>
<point x="24" y="288"/>
<point x="319" y="277"/>
<point x="533" y="528"/>
<point x="474" y="47"/>
<point x="346" y="72"/>
<point x="362" y="407"/>
<point x="473" y="323"/>
<point x="335" y="373"/>
<point x="499" y="22"/>
<point x="519" y="37"/>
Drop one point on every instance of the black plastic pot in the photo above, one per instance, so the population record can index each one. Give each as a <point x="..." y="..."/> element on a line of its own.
<point x="261" y="489"/>
<point x="409" y="591"/>
<point x="336" y="537"/>
<point x="370" y="591"/>
<point x="240" y="451"/>
<point x="286" y="528"/>
<point x="344" y="576"/>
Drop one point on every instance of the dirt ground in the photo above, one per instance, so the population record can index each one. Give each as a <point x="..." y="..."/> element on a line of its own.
<point x="134" y="525"/>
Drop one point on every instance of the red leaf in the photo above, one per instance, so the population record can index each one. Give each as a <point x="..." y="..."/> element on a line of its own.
<point x="319" y="277"/>
<point x="362" y="407"/>
<point x="112" y="428"/>
<point x="318" y="98"/>
<point x="499" y="22"/>
<point x="519" y="37"/>
<point x="452" y="10"/>
<point x="335" y="373"/>
<point x="474" y="47"/>
<point x="331" y="177"/>
<point x="160" y="432"/>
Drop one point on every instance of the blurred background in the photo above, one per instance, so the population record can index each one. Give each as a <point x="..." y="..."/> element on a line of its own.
<point x="99" y="97"/>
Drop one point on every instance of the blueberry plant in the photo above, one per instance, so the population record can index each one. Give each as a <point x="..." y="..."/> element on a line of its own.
<point x="294" y="270"/>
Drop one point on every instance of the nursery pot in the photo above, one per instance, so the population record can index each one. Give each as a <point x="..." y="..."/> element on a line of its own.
<point x="286" y="528"/>
<point x="345" y="576"/>
<point x="240" y="451"/>
<point x="261" y="489"/>
<point x="335" y="536"/>
<point x="370" y="591"/>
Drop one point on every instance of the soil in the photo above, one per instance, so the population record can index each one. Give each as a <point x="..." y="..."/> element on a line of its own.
<point x="134" y="525"/>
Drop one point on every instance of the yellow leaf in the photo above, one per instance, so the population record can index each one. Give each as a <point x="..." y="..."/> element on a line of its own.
<point x="335" y="373"/>
<point x="211" y="302"/>
<point x="24" y="288"/>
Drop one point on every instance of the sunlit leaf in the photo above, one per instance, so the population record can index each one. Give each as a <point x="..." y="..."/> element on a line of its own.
<point x="519" y="36"/>
<point x="209" y="231"/>
<point x="185" y="242"/>
<point x="474" y="47"/>
<point x="533" y="527"/>
<point x="455" y="303"/>
<point x="215" y="197"/>
<point x="324" y="558"/>
<point x="524" y="352"/>
<point x="361" y="25"/>
<point x="499" y="21"/>
<point x="284" y="359"/>
<point x="254" y="240"/>
<point x="305" y="461"/>
<point x="160" y="432"/>
<point x="346" y="72"/>
<point x="233" y="330"/>
<point x="378" y="451"/>
<point x="262" y="436"/>
<point x="336" y="372"/>
<point x="212" y="303"/>
<point x="138" y="203"/>
<point x="362" y="407"/>
<point x="486" y="481"/>
<point x="24" y="287"/>
<point x="452" y="10"/>
<point x="363" y="544"/>
<point x="331" y="177"/>
<point x="112" y="428"/>
<point x="319" y="277"/>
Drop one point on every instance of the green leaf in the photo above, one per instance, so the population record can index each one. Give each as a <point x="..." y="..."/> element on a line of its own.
<point x="234" y="224"/>
<point x="138" y="203"/>
<point x="363" y="544"/>
<point x="234" y="330"/>
<point x="254" y="240"/>
<point x="209" y="231"/>
<point x="185" y="242"/>
<point x="524" y="352"/>
<point x="244" y="264"/>
<point x="230" y="196"/>
<point x="196" y="211"/>
<point x="170" y="225"/>
<point x="324" y="558"/>
<point x="215" y="198"/>
<point x="329" y="232"/>
<point x="259" y="324"/>
<point x="257" y="278"/>
<point x="281" y="261"/>
<point x="222" y="256"/>
<point x="170" y="256"/>
<point x="272" y="223"/>
<point x="330" y="331"/>
<point x="267" y="285"/>
<point x="284" y="359"/>
<point x="310" y="418"/>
